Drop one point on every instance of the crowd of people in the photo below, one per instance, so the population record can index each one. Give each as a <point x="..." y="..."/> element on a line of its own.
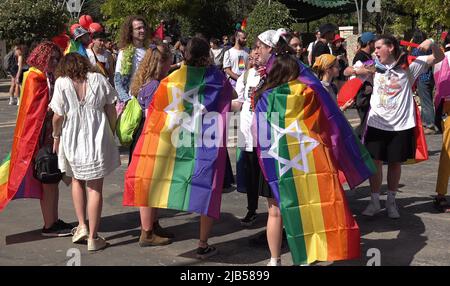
<point x="84" y="91"/>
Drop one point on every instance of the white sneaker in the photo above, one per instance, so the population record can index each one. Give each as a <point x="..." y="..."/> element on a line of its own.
<point x="372" y="209"/>
<point x="273" y="263"/>
<point x="11" y="100"/>
<point x="80" y="234"/>
<point x="96" y="244"/>
<point x="392" y="209"/>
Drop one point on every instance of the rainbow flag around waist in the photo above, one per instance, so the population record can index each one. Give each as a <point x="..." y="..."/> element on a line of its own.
<point x="179" y="159"/>
<point x="296" y="144"/>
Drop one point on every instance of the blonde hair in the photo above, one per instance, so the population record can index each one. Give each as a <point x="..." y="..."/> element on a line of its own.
<point x="150" y="67"/>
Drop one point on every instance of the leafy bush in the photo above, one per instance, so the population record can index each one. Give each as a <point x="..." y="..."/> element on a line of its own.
<point x="265" y="17"/>
<point x="31" y="20"/>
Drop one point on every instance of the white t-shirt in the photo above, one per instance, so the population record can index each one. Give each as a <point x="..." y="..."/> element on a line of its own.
<point x="101" y="58"/>
<point x="311" y="45"/>
<point x="244" y="91"/>
<point x="236" y="60"/>
<point x="137" y="58"/>
<point x="392" y="103"/>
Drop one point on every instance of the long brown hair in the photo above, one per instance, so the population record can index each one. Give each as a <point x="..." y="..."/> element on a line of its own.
<point x="197" y="53"/>
<point x="74" y="66"/>
<point x="150" y="67"/>
<point x="126" y="31"/>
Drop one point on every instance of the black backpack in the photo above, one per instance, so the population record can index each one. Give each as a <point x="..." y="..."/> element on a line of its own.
<point x="9" y="62"/>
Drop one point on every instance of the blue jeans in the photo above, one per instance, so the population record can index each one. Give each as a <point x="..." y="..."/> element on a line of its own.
<point x="425" y="91"/>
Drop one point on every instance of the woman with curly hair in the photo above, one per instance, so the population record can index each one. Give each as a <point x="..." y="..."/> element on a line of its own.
<point x="83" y="123"/>
<point x="34" y="131"/>
<point x="153" y="68"/>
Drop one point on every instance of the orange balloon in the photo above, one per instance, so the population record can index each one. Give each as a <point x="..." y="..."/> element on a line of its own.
<point x="85" y="21"/>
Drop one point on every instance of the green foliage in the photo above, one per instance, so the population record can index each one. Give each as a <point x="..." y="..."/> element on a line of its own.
<point x="265" y="17"/>
<point x="117" y="10"/>
<point x="432" y="14"/>
<point x="30" y="20"/>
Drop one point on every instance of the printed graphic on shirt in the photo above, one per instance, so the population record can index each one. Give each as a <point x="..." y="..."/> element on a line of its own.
<point x="241" y="63"/>
<point x="389" y="88"/>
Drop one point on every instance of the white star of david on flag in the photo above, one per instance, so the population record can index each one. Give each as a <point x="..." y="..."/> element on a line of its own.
<point x="175" y="114"/>
<point x="306" y="144"/>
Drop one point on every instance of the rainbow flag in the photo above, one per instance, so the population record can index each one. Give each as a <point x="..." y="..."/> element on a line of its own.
<point x="16" y="171"/>
<point x="75" y="47"/>
<point x="179" y="159"/>
<point x="244" y="25"/>
<point x="241" y="63"/>
<point x="303" y="140"/>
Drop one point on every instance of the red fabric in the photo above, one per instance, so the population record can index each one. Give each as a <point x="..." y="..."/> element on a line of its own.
<point x="61" y="41"/>
<point x="409" y="44"/>
<point x="421" y="143"/>
<point x="349" y="91"/>
<point x="159" y="32"/>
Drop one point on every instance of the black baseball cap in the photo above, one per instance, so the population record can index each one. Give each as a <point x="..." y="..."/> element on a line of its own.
<point x="326" y="28"/>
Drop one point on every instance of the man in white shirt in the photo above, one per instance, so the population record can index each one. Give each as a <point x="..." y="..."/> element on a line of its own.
<point x="236" y="59"/>
<point x="250" y="172"/>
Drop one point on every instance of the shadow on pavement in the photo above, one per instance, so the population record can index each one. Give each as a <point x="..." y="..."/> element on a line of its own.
<point x="397" y="240"/>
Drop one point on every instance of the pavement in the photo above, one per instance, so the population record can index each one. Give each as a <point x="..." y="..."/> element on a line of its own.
<point x="419" y="237"/>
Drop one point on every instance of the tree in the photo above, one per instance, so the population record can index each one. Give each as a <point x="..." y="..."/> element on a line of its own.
<point x="116" y="11"/>
<point x="433" y="15"/>
<point x="267" y="15"/>
<point x="31" y="20"/>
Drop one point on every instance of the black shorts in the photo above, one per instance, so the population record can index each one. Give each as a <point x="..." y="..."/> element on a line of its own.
<point x="390" y="146"/>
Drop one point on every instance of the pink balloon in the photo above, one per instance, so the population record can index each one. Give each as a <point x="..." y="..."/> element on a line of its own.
<point x="95" y="27"/>
<point x="85" y="21"/>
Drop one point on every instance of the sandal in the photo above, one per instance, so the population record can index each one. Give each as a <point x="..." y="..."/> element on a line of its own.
<point x="206" y="252"/>
<point x="441" y="204"/>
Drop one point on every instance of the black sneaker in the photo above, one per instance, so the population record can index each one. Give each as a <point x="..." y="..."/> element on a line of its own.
<point x="203" y="253"/>
<point x="58" y="229"/>
<point x="249" y="219"/>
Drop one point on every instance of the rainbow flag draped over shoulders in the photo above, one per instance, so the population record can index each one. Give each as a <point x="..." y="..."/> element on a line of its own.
<point x="351" y="157"/>
<point x="16" y="172"/>
<point x="299" y="148"/>
<point x="179" y="159"/>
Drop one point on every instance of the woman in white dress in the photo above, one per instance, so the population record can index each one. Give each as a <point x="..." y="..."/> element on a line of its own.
<point x="83" y="124"/>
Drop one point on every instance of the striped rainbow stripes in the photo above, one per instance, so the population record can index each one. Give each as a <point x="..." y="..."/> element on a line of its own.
<point x="302" y="171"/>
<point x="75" y="47"/>
<point x="182" y="177"/>
<point x="16" y="171"/>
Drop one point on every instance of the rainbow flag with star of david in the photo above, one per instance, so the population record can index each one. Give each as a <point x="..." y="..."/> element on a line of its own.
<point x="303" y="140"/>
<point x="179" y="159"/>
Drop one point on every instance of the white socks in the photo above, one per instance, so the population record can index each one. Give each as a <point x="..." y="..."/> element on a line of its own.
<point x="374" y="206"/>
<point x="391" y="206"/>
<point x="274" y="261"/>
